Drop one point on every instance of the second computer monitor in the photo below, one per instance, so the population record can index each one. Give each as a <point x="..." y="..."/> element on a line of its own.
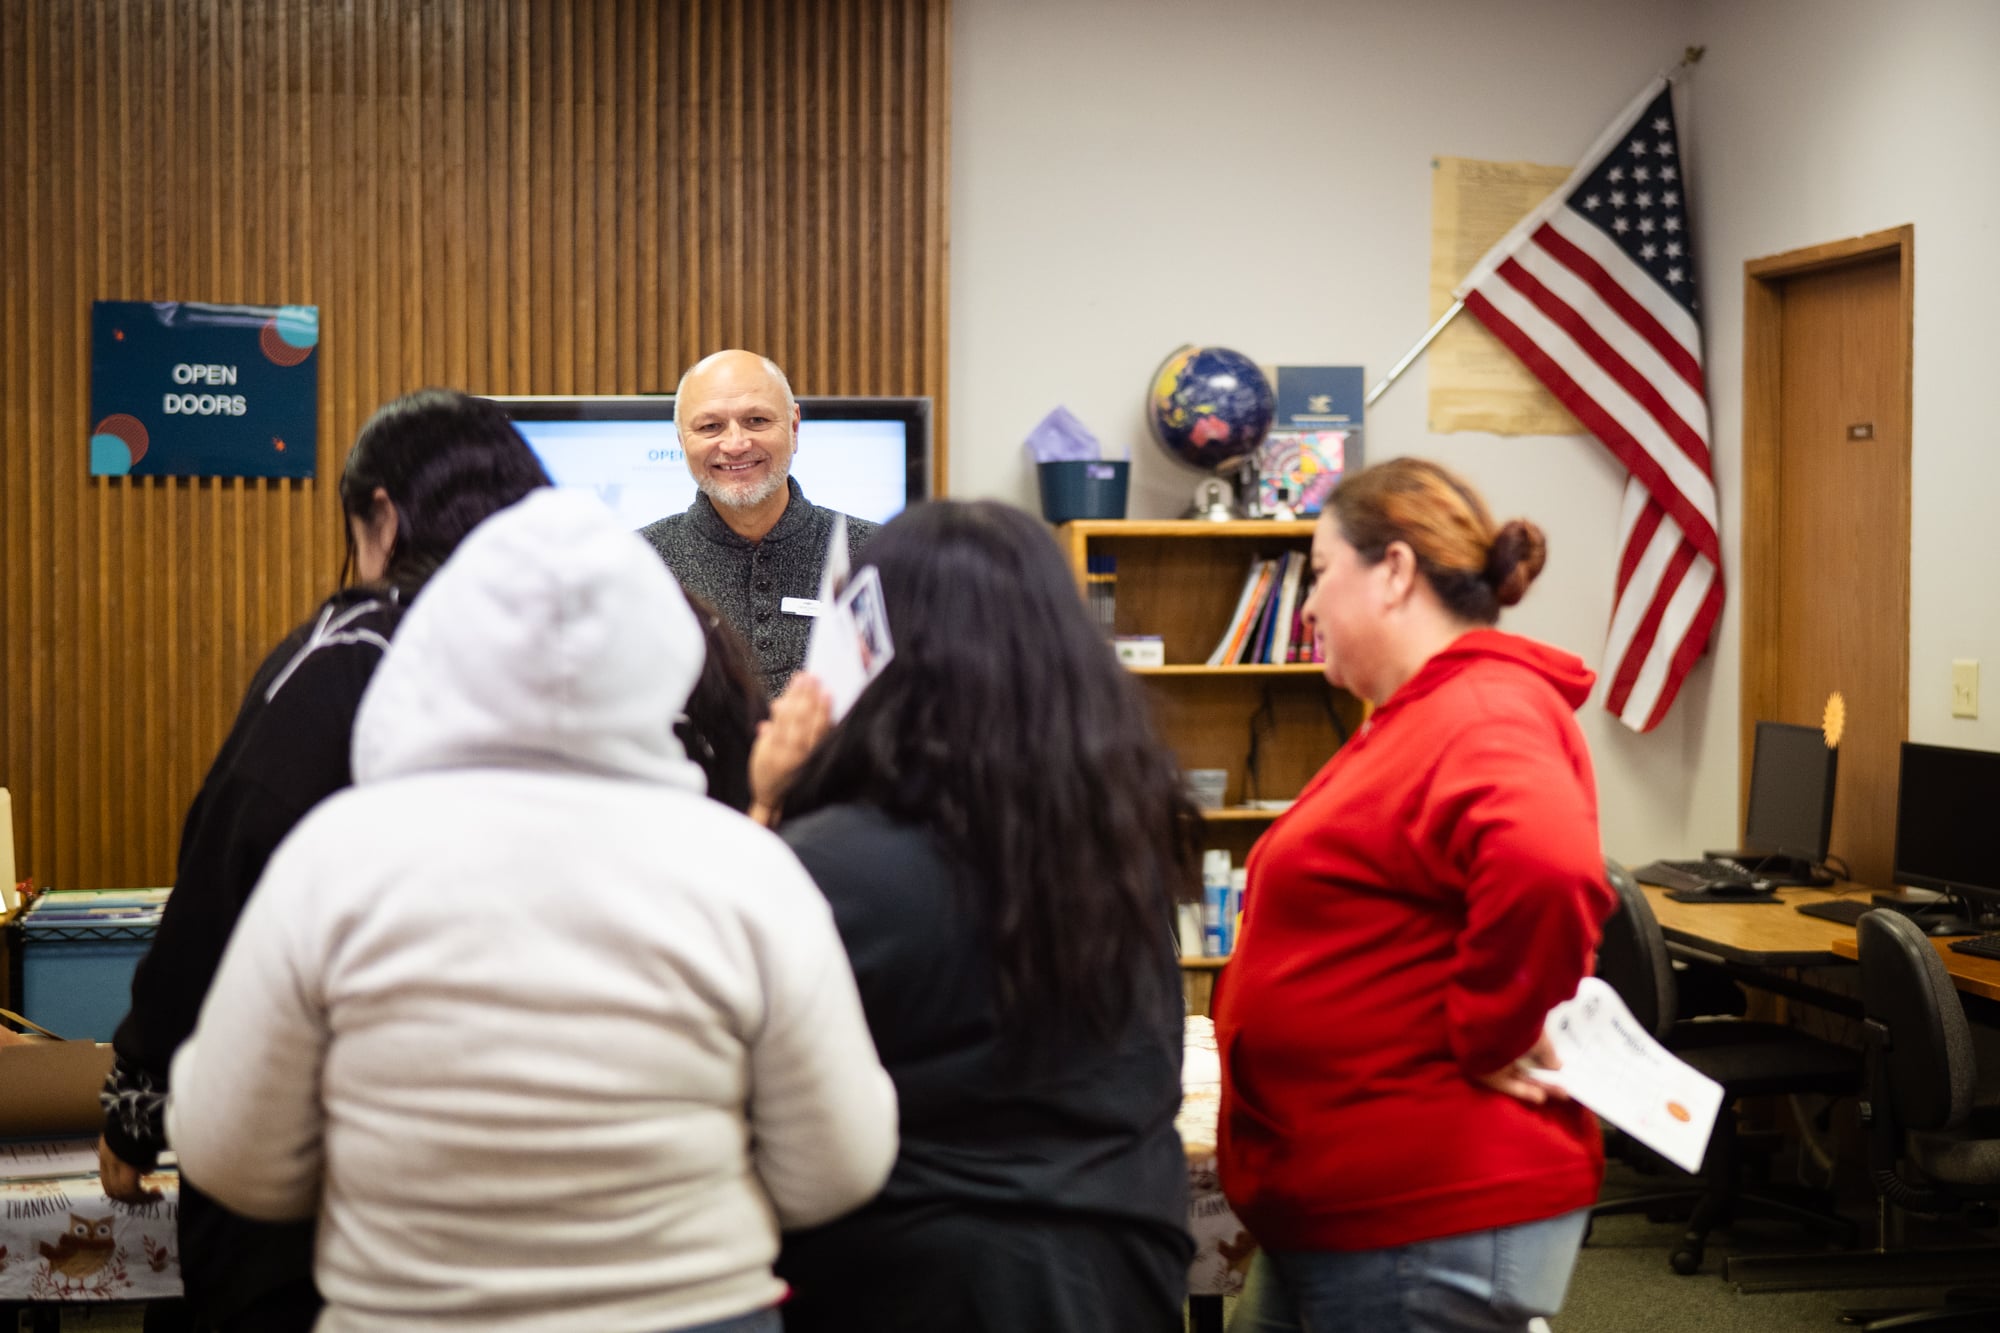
<point x="1948" y="821"/>
<point x="1791" y="792"/>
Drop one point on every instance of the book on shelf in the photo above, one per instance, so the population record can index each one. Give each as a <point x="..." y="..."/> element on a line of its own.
<point x="1260" y="618"/>
<point x="1269" y="632"/>
<point x="1242" y="599"/>
<point x="1101" y="587"/>
<point x="1260" y="604"/>
<point x="1300" y="468"/>
<point x="1283" y="630"/>
<point x="1247" y="603"/>
<point x="1301" y="647"/>
<point x="1268" y="626"/>
<point x="1315" y="437"/>
<point x="1320" y="397"/>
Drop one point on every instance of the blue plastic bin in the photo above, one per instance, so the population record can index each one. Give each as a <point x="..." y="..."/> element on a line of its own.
<point x="76" y="976"/>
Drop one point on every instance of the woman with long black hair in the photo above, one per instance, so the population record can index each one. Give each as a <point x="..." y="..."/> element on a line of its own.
<point x="424" y="471"/>
<point x="1002" y="835"/>
<point x="719" y="723"/>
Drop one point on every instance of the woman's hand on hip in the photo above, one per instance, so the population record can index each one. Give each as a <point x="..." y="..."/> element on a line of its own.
<point x="1515" y="1081"/>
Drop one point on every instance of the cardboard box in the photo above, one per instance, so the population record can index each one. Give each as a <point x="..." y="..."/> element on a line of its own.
<point x="49" y="1086"/>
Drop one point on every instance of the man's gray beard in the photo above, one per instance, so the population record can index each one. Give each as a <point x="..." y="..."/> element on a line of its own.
<point x="723" y="496"/>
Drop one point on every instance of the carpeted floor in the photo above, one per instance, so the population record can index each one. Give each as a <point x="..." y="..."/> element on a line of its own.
<point x="1624" y="1285"/>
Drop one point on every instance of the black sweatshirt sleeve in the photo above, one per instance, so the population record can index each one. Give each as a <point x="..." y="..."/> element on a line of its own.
<point x="284" y="755"/>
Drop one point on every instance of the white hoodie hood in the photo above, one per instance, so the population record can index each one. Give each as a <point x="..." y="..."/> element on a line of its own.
<point x="553" y="637"/>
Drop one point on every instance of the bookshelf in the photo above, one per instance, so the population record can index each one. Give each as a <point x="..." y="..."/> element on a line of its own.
<point x="1255" y="669"/>
<point x="1180" y="579"/>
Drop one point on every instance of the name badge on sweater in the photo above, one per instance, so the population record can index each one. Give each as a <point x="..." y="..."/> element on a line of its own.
<point x="800" y="606"/>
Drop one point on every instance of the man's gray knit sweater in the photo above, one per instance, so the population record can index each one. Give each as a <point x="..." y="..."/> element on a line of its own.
<point x="749" y="582"/>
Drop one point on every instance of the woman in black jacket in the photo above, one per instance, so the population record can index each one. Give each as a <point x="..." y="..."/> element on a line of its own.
<point x="1002" y="836"/>
<point x="422" y="474"/>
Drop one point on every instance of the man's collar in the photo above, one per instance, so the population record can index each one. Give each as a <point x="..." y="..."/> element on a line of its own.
<point x="796" y="519"/>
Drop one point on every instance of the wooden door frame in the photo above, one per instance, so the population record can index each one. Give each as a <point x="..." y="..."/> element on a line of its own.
<point x="1757" y="569"/>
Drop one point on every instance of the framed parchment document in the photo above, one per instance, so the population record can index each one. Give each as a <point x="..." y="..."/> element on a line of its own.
<point x="1475" y="382"/>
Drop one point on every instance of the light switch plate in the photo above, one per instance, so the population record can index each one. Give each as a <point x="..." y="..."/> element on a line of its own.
<point x="1964" y="687"/>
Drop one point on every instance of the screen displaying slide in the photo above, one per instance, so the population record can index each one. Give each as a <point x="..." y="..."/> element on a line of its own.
<point x="637" y="468"/>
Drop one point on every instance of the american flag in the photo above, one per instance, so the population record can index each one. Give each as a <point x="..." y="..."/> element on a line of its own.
<point x="1595" y="292"/>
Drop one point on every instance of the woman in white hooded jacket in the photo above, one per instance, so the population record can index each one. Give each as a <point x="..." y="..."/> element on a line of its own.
<point x="545" y="1038"/>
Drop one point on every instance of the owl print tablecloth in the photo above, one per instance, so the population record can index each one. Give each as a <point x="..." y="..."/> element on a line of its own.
<point x="61" y="1239"/>
<point x="1223" y="1249"/>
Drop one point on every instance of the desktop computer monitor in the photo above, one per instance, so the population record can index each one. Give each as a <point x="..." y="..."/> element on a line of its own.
<point x="1948" y="824"/>
<point x="869" y="457"/>
<point x="1792" y="772"/>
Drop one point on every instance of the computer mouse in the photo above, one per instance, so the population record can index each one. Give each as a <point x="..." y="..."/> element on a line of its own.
<point x="1739" y="888"/>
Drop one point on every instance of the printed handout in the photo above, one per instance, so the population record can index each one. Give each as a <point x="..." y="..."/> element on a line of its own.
<point x="1613" y="1066"/>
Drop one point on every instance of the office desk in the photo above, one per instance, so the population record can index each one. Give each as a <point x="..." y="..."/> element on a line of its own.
<point x="1979" y="977"/>
<point x="1755" y="934"/>
<point x="1749" y="940"/>
<point x="1754" y="942"/>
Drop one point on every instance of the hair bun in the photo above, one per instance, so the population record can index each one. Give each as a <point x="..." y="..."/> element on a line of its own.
<point x="1518" y="552"/>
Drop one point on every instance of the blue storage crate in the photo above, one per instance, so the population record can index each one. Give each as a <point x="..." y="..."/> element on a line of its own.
<point x="76" y="970"/>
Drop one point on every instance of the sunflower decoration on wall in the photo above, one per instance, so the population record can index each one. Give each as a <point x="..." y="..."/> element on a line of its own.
<point x="1833" y="722"/>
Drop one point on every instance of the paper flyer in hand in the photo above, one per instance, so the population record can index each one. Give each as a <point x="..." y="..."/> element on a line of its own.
<point x="850" y="641"/>
<point x="1613" y="1066"/>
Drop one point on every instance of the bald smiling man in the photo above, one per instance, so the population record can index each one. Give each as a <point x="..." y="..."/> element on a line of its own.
<point x="751" y="543"/>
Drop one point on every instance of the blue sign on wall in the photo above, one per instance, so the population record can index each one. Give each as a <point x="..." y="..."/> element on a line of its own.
<point x="180" y="389"/>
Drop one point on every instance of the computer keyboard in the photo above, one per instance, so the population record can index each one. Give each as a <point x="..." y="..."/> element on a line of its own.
<point x="1979" y="946"/>
<point x="1688" y="876"/>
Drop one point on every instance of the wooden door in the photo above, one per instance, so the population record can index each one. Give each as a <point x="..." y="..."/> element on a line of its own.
<point x="1827" y="497"/>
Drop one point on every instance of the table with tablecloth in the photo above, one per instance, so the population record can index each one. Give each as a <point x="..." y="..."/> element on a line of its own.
<point x="61" y="1239"/>
<point x="1222" y="1247"/>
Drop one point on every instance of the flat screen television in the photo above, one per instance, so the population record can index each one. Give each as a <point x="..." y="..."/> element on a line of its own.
<point x="869" y="457"/>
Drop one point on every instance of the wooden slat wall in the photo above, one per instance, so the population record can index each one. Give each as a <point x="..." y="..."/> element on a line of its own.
<point x="522" y="196"/>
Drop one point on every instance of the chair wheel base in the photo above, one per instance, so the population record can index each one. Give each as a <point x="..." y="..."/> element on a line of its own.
<point x="1686" y="1260"/>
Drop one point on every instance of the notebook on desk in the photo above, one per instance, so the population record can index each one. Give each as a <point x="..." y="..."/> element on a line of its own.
<point x="1787" y="826"/>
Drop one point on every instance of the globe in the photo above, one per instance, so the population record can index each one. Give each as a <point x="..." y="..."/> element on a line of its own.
<point x="1210" y="407"/>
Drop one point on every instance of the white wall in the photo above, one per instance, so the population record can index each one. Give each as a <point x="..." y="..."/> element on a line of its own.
<point x="1129" y="175"/>
<point x="1821" y="119"/>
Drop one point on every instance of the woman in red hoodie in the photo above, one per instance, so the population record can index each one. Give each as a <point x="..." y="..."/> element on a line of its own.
<point x="1435" y="889"/>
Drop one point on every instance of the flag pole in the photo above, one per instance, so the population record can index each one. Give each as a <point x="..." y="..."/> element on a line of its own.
<point x="1396" y="371"/>
<point x="1691" y="56"/>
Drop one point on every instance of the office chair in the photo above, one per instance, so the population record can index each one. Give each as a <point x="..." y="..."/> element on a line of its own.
<point x="1929" y="1149"/>
<point x="1748" y="1059"/>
